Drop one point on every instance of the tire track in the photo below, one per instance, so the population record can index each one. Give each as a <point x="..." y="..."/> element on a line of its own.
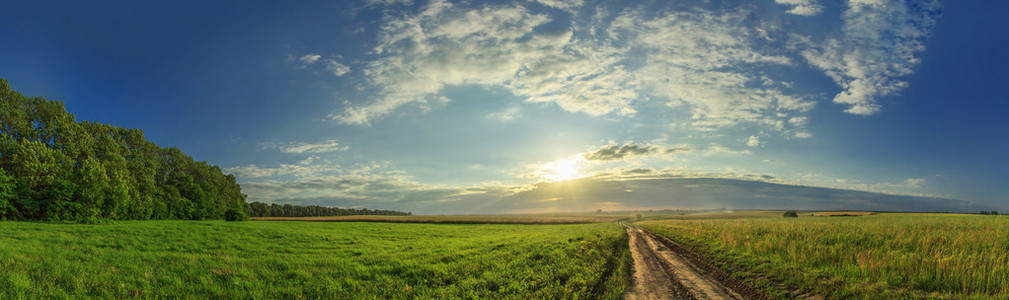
<point x="663" y="270"/>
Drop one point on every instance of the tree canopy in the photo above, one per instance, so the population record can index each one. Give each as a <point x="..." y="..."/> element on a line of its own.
<point x="55" y="168"/>
<point x="259" y="209"/>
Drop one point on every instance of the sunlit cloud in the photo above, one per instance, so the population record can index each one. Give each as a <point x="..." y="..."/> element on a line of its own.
<point x="614" y="152"/>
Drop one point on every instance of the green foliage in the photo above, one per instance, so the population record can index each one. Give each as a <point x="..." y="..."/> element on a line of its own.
<point x="883" y="256"/>
<point x="235" y="215"/>
<point x="6" y="193"/>
<point x="312" y="260"/>
<point x="791" y="214"/>
<point x="54" y="168"/>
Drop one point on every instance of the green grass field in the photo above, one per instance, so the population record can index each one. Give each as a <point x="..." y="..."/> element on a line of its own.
<point x="291" y="260"/>
<point x="872" y="257"/>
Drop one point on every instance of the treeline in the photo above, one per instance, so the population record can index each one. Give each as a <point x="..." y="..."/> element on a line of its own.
<point x="57" y="169"/>
<point x="259" y="209"/>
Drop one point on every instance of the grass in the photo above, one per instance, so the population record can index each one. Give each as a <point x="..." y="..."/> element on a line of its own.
<point x="294" y="260"/>
<point x="871" y="257"/>
<point x="573" y="218"/>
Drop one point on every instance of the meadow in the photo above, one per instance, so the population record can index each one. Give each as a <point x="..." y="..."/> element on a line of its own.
<point x="297" y="260"/>
<point x="887" y="255"/>
<point x="573" y="218"/>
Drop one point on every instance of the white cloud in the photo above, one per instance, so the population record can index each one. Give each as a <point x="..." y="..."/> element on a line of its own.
<point x="490" y="46"/>
<point x="507" y="114"/>
<point x="719" y="68"/>
<point x="802" y="7"/>
<point x="914" y="182"/>
<point x="711" y="63"/>
<point x="753" y="141"/>
<point x="300" y="148"/>
<point x="388" y="2"/>
<point x="880" y="44"/>
<point x="568" y="5"/>
<point x="703" y="59"/>
<point x="615" y="152"/>
<point x="311" y="166"/>
<point x="309" y="59"/>
<point x="337" y="68"/>
<point x="722" y="150"/>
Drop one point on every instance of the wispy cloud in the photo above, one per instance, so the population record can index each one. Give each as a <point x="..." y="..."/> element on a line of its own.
<point x="700" y="58"/>
<point x="302" y="148"/>
<point x="802" y="7"/>
<point x="444" y="45"/>
<point x="309" y="59"/>
<point x="387" y="2"/>
<point x="507" y="114"/>
<point x="337" y="68"/>
<point x="879" y="46"/>
<point x="614" y="152"/>
<point x="562" y="4"/>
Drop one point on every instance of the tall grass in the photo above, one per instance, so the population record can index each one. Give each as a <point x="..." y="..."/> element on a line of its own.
<point x="293" y="260"/>
<point x="886" y="255"/>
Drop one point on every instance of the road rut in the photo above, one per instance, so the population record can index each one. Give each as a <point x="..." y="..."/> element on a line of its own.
<point x="662" y="273"/>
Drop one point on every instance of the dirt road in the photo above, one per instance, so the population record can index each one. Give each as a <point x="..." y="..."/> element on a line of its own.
<point x="663" y="270"/>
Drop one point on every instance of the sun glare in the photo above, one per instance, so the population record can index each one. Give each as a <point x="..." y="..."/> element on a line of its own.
<point x="565" y="169"/>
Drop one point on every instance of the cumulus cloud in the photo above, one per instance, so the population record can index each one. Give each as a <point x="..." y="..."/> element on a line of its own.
<point x="879" y="46"/>
<point x="613" y="152"/>
<point x="753" y="141"/>
<point x="802" y="7"/>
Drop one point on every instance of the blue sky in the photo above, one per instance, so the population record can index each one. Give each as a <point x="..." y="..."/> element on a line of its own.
<point x="445" y="106"/>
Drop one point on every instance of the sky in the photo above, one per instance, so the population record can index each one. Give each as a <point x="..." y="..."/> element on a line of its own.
<point x="484" y="107"/>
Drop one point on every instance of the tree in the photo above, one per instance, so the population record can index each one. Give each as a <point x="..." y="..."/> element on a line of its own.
<point x="235" y="214"/>
<point x="791" y="214"/>
<point x="6" y="193"/>
<point x="55" y="168"/>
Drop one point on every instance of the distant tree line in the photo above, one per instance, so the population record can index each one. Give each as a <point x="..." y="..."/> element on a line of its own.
<point x="984" y="212"/>
<point x="55" y="168"/>
<point x="259" y="209"/>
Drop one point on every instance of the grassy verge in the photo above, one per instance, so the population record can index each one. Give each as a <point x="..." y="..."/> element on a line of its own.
<point x="871" y="257"/>
<point x="291" y="260"/>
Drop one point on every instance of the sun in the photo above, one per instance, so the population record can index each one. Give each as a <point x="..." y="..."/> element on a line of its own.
<point x="565" y="169"/>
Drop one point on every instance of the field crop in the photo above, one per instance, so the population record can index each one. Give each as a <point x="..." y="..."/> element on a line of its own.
<point x="875" y="256"/>
<point x="294" y="260"/>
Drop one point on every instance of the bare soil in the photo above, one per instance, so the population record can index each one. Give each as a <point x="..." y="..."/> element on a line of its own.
<point x="665" y="270"/>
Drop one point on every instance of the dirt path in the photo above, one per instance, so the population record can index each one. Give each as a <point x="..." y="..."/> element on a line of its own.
<point x="667" y="271"/>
